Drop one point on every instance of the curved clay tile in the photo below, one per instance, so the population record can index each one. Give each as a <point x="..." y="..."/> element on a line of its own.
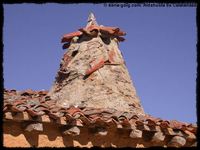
<point x="113" y="31"/>
<point x="110" y="30"/>
<point x="32" y="112"/>
<point x="89" y="31"/>
<point x="42" y="92"/>
<point x="84" y="30"/>
<point x="93" y="27"/>
<point x="118" y="32"/>
<point x="164" y="124"/>
<point x="121" y="39"/>
<point x="73" y="110"/>
<point x="176" y="125"/>
<point x="68" y="37"/>
<point x="16" y="109"/>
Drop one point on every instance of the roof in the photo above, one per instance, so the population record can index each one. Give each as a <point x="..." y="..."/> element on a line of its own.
<point x="37" y="106"/>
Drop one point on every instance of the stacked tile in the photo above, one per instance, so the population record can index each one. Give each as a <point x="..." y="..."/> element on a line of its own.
<point x="37" y="107"/>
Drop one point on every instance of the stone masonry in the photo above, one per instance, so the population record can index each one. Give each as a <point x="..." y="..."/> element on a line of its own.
<point x="93" y="73"/>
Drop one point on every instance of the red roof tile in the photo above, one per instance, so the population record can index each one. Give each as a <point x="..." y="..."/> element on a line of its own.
<point x="110" y="30"/>
<point x="37" y="104"/>
<point x="68" y="37"/>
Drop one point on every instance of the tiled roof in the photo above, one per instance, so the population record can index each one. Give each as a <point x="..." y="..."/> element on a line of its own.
<point x="37" y="106"/>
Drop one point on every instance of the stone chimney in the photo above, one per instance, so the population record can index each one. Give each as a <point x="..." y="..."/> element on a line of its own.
<point x="92" y="71"/>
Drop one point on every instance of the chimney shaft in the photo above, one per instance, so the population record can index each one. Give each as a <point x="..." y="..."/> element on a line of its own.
<point x="93" y="73"/>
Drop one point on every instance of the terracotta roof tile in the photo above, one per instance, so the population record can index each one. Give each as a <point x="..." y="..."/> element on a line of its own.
<point x="38" y="106"/>
<point x="68" y="37"/>
<point x="115" y="31"/>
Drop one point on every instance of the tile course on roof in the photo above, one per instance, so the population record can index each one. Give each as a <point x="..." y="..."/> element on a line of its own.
<point x="36" y="106"/>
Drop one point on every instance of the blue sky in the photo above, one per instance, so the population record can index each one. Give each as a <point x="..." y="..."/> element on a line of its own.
<point x="159" y="50"/>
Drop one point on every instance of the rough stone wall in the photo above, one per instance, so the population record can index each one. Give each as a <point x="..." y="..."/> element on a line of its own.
<point x="93" y="73"/>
